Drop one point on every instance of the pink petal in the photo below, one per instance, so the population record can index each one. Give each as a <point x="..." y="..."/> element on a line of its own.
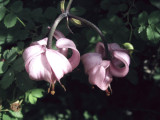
<point x="58" y="34"/>
<point x="39" y="69"/>
<point x="119" y="59"/>
<point x="59" y="63"/>
<point x="90" y="60"/>
<point x="97" y="76"/>
<point x="100" y="49"/>
<point x="41" y="42"/>
<point x="31" y="52"/>
<point x="66" y="43"/>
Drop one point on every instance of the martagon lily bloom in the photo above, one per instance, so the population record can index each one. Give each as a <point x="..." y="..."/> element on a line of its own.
<point x="101" y="71"/>
<point x="50" y="65"/>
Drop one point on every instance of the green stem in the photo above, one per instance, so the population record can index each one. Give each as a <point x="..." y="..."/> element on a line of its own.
<point x="69" y="6"/>
<point x="97" y="30"/>
<point x="53" y="28"/>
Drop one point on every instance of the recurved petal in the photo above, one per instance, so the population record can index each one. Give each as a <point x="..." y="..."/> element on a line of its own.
<point x="90" y="60"/>
<point x="58" y="34"/>
<point x="58" y="62"/>
<point x="40" y="42"/>
<point x="39" y="69"/>
<point x="64" y="43"/>
<point x="100" y="49"/>
<point x="97" y="76"/>
<point x="120" y="64"/>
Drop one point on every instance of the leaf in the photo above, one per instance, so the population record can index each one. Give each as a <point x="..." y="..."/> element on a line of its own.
<point x="141" y="28"/>
<point x="18" y="65"/>
<point x="10" y="55"/>
<point x="3" y="66"/>
<point x="17" y="114"/>
<point x="2" y="38"/>
<point x="23" y="81"/>
<point x="2" y="12"/>
<point x="50" y="15"/>
<point x="77" y="11"/>
<point x="154" y="17"/>
<point x="17" y="6"/>
<point x="155" y="3"/>
<point x="6" y="117"/>
<point x="156" y="77"/>
<point x="143" y="18"/>
<point x="10" y="20"/>
<point x="4" y="2"/>
<point x="38" y="93"/>
<point x="32" y="99"/>
<point x="7" y="79"/>
<point x="152" y="34"/>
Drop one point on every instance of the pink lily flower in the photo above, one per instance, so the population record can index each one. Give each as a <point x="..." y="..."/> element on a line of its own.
<point x="101" y="71"/>
<point x="50" y="65"/>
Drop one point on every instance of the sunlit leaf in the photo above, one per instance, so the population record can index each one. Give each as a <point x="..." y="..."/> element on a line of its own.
<point x="32" y="99"/>
<point x="3" y="66"/>
<point x="154" y="17"/>
<point x="38" y="93"/>
<point x="77" y="11"/>
<point x="10" y="20"/>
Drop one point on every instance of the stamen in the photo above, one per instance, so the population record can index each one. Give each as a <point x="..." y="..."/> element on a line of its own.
<point x="62" y="86"/>
<point x="109" y="91"/>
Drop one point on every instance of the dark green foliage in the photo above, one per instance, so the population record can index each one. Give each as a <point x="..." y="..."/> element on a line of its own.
<point x="134" y="24"/>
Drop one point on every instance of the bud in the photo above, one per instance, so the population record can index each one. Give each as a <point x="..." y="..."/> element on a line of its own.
<point x="129" y="47"/>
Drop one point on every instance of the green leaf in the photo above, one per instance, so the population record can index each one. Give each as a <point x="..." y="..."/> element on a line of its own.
<point x="156" y="77"/>
<point x="143" y="18"/>
<point x="2" y="12"/>
<point x="152" y="34"/>
<point x="10" y="20"/>
<point x="38" y="93"/>
<point x="32" y="99"/>
<point x="17" y="6"/>
<point x="158" y="28"/>
<point x="17" y="114"/>
<point x="7" y="79"/>
<point x="3" y="66"/>
<point x="18" y="65"/>
<point x="77" y="11"/>
<point x="154" y="17"/>
<point x="50" y="13"/>
<point x="6" y="117"/>
<point x="141" y="29"/>
<point x="155" y="3"/>
<point x="23" y="81"/>
<point x="10" y="55"/>
<point x="4" y="2"/>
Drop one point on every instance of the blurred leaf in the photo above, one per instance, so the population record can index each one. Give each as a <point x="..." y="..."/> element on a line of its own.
<point x="105" y="4"/>
<point x="4" y="2"/>
<point x="155" y="3"/>
<point x="9" y="38"/>
<point x="141" y="29"/>
<point x="18" y="64"/>
<point x="50" y="13"/>
<point x="23" y="81"/>
<point x="32" y="99"/>
<point x="152" y="34"/>
<point x="3" y="66"/>
<point x="143" y="18"/>
<point x="156" y="77"/>
<point x="10" y="55"/>
<point x="38" y="93"/>
<point x="2" y="12"/>
<point x="6" y="117"/>
<point x="122" y="7"/>
<point x="158" y="28"/>
<point x="36" y="14"/>
<point x="20" y="45"/>
<point x="7" y="79"/>
<point x="23" y="34"/>
<point x="10" y="20"/>
<point x="86" y="115"/>
<point x="154" y="17"/>
<point x="17" y="114"/>
<point x="17" y="6"/>
<point x="77" y="11"/>
<point x="2" y="38"/>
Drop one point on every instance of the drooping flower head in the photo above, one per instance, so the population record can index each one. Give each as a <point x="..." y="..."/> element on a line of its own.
<point x="50" y="65"/>
<point x="100" y="71"/>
